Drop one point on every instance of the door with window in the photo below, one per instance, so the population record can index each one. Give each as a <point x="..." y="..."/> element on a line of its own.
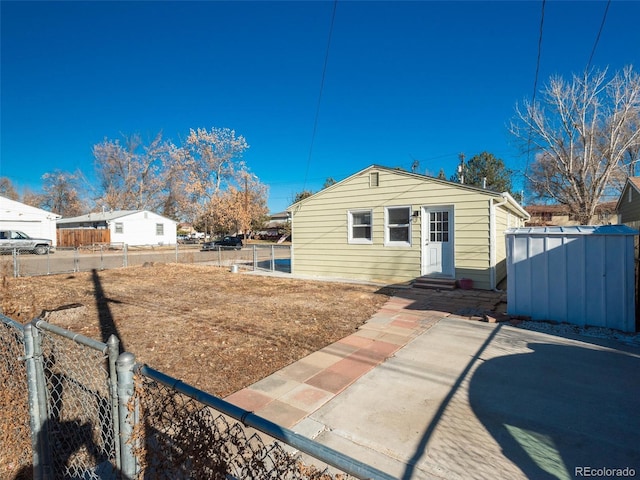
<point x="437" y="241"/>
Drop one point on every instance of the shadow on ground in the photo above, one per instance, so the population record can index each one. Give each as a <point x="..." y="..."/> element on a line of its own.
<point x="561" y="407"/>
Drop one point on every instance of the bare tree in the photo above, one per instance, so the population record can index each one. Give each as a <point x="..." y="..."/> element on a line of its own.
<point x="239" y="207"/>
<point x="136" y="176"/>
<point x="7" y="189"/>
<point x="585" y="136"/>
<point x="62" y="193"/>
<point x="213" y="162"/>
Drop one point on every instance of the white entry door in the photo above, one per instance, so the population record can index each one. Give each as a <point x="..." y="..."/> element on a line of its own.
<point x="437" y="241"/>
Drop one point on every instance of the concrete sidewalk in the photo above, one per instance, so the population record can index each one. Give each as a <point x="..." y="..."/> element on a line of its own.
<point x="421" y="392"/>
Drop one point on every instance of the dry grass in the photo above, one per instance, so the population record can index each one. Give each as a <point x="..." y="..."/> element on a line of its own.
<point x="213" y="329"/>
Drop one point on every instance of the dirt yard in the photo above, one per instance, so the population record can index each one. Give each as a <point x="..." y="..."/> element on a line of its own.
<point x="214" y="329"/>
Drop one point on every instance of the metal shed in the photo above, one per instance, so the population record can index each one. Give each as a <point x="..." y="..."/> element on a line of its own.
<point x="582" y="275"/>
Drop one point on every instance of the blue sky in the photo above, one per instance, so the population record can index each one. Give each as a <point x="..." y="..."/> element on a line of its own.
<point x="404" y="81"/>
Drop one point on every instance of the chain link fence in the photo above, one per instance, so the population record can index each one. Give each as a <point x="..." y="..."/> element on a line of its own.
<point x="15" y="432"/>
<point x="79" y="430"/>
<point x="104" y="257"/>
<point x="77" y="409"/>
<point x="224" y="448"/>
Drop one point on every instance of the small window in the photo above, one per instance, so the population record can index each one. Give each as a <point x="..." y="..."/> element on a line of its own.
<point x="360" y="223"/>
<point x="159" y="228"/>
<point x="374" y="179"/>
<point x="630" y="195"/>
<point x="119" y="227"/>
<point x="398" y="226"/>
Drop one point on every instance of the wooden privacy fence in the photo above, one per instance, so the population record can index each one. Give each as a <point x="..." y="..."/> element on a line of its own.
<point x="75" y="237"/>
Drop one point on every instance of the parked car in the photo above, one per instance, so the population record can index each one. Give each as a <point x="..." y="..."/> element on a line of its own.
<point x="15" y="240"/>
<point x="187" y="239"/>
<point x="225" y="243"/>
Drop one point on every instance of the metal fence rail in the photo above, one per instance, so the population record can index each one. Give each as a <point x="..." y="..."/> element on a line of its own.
<point x="172" y="413"/>
<point x="74" y="409"/>
<point x="104" y="257"/>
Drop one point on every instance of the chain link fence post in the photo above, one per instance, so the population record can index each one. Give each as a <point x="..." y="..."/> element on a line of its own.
<point x="128" y="419"/>
<point x="114" y="350"/>
<point x="125" y="260"/>
<point x="76" y="259"/>
<point x="273" y="258"/>
<point x="255" y="257"/>
<point x="37" y="404"/>
<point x="16" y="265"/>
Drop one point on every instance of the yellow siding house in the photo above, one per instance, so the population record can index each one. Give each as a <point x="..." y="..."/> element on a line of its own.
<point x="386" y="226"/>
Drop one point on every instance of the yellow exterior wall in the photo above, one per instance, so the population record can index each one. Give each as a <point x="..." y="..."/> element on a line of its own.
<point x="320" y="229"/>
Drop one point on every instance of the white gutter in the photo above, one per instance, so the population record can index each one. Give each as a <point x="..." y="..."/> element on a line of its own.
<point x="492" y="235"/>
<point x="515" y="205"/>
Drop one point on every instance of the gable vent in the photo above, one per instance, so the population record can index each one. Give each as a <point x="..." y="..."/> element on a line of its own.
<point x="374" y="179"/>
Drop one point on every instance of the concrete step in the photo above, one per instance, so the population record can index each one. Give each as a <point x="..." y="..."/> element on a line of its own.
<point x="435" y="283"/>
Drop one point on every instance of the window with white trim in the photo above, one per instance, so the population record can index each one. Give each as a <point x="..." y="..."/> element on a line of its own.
<point x="119" y="227"/>
<point x="397" y="226"/>
<point x="159" y="228"/>
<point x="360" y="226"/>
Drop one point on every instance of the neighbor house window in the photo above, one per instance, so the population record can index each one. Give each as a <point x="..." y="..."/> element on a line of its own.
<point x="360" y="222"/>
<point x="159" y="228"/>
<point x="397" y="226"/>
<point x="119" y="227"/>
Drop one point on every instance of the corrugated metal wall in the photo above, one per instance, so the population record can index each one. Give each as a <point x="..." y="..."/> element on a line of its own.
<point x="580" y="275"/>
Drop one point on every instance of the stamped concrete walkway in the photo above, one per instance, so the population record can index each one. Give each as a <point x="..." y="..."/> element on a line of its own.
<point x="291" y="394"/>
<point x="421" y="392"/>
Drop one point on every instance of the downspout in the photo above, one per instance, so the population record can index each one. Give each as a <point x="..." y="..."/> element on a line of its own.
<point x="290" y="214"/>
<point x="492" y="239"/>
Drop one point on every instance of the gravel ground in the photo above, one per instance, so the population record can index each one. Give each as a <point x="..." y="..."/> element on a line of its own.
<point x="565" y="329"/>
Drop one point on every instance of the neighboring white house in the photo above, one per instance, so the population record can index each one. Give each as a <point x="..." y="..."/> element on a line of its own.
<point x="133" y="227"/>
<point x="35" y="222"/>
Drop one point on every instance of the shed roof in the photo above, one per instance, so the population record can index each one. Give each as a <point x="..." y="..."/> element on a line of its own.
<point x="574" y="230"/>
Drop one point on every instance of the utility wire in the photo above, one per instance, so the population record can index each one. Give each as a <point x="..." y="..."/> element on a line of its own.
<point x="324" y="71"/>
<point x="593" y="51"/>
<point x="535" y="87"/>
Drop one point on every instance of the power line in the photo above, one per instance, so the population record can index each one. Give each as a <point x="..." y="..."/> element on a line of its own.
<point x="324" y="71"/>
<point x="535" y="86"/>
<point x="593" y="51"/>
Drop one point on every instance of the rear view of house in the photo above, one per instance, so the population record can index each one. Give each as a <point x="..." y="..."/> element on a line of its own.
<point x="387" y="226"/>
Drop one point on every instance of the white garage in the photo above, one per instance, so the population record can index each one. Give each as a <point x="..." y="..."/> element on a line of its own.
<point x="35" y="222"/>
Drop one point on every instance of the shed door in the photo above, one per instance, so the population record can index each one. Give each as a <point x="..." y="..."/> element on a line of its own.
<point x="437" y="241"/>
